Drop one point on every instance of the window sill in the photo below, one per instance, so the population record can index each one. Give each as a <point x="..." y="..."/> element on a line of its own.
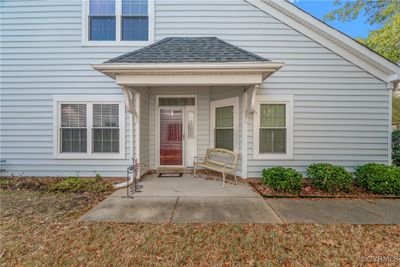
<point x="90" y="156"/>
<point x="273" y="156"/>
<point x="115" y="43"/>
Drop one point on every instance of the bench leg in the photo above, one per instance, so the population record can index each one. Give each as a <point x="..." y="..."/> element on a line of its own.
<point x="235" y="179"/>
<point x="223" y="180"/>
<point x="194" y="171"/>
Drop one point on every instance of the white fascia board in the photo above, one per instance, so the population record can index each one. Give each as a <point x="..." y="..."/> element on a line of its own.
<point x="192" y="79"/>
<point x="328" y="37"/>
<point x="185" y="67"/>
<point x="205" y="73"/>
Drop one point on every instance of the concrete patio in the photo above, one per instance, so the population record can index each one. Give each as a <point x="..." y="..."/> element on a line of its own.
<point x="185" y="200"/>
<point x="196" y="200"/>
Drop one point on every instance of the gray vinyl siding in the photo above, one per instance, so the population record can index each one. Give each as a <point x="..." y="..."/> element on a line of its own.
<point x="341" y="113"/>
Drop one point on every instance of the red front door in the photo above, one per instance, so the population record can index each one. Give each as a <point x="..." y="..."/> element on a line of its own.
<point x="171" y="142"/>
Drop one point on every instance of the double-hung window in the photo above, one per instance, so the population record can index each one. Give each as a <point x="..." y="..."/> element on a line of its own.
<point x="225" y="123"/>
<point x="223" y="130"/>
<point x="135" y="20"/>
<point x="273" y="130"/>
<point x="118" y="22"/>
<point x="86" y="128"/>
<point x="73" y="128"/>
<point x="102" y="20"/>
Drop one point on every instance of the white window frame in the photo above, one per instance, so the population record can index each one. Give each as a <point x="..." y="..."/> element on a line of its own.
<point x="234" y="101"/>
<point x="89" y="101"/>
<point x="118" y="35"/>
<point x="274" y="99"/>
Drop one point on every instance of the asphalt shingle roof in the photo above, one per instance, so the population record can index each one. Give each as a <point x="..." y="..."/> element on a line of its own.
<point x="188" y="49"/>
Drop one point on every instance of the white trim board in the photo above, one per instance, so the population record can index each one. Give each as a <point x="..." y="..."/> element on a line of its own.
<point x="332" y="39"/>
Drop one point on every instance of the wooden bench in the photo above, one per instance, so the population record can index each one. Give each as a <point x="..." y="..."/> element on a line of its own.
<point x="220" y="160"/>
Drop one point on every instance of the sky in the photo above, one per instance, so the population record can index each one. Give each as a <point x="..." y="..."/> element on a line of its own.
<point x="318" y="8"/>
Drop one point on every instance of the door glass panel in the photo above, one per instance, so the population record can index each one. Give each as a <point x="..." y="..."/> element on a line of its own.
<point x="171" y="137"/>
<point x="191" y="126"/>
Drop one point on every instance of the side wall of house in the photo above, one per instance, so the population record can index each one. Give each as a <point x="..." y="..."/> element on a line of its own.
<point x="341" y="113"/>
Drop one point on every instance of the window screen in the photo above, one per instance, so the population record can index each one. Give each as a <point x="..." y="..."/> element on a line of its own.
<point x="224" y="127"/>
<point x="106" y="128"/>
<point x="102" y="20"/>
<point x="273" y="132"/>
<point x="135" y="20"/>
<point x="73" y="131"/>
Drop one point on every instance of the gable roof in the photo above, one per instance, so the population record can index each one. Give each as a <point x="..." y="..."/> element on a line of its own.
<point x="188" y="50"/>
<point x="330" y="38"/>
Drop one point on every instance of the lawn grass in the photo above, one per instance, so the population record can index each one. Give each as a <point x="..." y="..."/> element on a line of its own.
<point x="40" y="228"/>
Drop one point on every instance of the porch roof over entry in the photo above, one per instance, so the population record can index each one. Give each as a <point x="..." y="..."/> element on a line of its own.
<point x="188" y="49"/>
<point x="189" y="61"/>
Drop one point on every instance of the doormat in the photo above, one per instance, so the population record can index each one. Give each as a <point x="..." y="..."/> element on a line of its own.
<point x="170" y="175"/>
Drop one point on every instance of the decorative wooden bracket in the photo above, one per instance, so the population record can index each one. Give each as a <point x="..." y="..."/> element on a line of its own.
<point x="252" y="91"/>
<point x="129" y="102"/>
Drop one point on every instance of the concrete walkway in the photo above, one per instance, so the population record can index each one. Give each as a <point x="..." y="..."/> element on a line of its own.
<point x="194" y="200"/>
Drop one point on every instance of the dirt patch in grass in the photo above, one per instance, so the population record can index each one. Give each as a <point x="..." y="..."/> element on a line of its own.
<point x="310" y="191"/>
<point x="43" y="229"/>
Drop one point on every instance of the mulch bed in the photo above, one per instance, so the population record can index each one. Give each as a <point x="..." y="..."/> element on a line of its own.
<point x="309" y="191"/>
<point x="34" y="183"/>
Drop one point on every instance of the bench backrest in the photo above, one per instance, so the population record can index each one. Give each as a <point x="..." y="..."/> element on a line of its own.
<point x="221" y="156"/>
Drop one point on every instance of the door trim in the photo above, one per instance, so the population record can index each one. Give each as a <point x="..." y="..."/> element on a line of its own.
<point x="233" y="101"/>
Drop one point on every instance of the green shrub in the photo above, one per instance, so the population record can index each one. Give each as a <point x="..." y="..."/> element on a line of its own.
<point x="329" y="177"/>
<point x="282" y="179"/>
<point x="81" y="185"/>
<point x="98" y="177"/>
<point x="379" y="178"/>
<point x="396" y="147"/>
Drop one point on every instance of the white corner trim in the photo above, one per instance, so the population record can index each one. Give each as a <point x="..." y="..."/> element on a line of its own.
<point x="87" y="99"/>
<point x="390" y="89"/>
<point x="328" y="37"/>
<point x="245" y="118"/>
<point x="233" y="101"/>
<point x="274" y="99"/>
<point x="118" y="41"/>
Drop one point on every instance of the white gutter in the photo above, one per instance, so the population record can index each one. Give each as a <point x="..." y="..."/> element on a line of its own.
<point x="112" y="69"/>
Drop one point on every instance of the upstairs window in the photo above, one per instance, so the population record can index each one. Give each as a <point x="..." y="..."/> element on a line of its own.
<point x="102" y="20"/>
<point x="135" y="20"/>
<point x="113" y="22"/>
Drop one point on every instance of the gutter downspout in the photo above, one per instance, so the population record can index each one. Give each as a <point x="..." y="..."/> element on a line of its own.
<point x="134" y="110"/>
